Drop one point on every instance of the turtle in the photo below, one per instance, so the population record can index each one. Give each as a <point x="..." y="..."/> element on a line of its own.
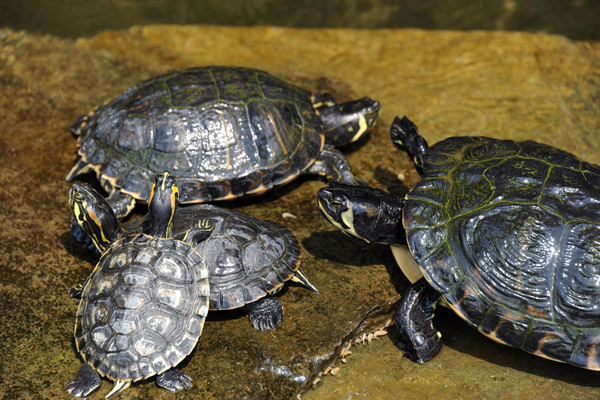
<point x="249" y="259"/>
<point x="223" y="132"/>
<point x="506" y="233"/>
<point x="143" y="308"/>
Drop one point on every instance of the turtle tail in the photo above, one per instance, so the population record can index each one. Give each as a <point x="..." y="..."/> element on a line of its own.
<point x="81" y="167"/>
<point x="300" y="277"/>
<point x="118" y="388"/>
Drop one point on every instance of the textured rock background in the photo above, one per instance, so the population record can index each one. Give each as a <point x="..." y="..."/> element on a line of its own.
<point x="514" y="85"/>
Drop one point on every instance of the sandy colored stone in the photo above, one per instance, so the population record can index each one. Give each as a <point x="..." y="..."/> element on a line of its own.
<point x="513" y="85"/>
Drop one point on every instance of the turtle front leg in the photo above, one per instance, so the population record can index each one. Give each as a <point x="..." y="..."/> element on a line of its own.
<point x="174" y="380"/>
<point x="76" y="292"/>
<point x="405" y="136"/>
<point x="414" y="320"/>
<point x="86" y="382"/>
<point x="332" y="164"/>
<point x="265" y="313"/>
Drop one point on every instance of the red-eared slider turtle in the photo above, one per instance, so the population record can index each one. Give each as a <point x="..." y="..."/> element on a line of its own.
<point x="248" y="258"/>
<point x="142" y="309"/>
<point x="507" y="233"/>
<point x="223" y="132"/>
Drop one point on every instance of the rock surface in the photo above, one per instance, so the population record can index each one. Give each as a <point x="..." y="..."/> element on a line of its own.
<point x="512" y="85"/>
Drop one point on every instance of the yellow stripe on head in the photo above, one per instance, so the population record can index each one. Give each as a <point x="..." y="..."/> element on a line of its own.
<point x="362" y="128"/>
<point x="164" y="179"/>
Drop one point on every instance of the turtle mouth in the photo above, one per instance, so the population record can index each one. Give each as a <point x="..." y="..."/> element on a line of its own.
<point x="372" y="113"/>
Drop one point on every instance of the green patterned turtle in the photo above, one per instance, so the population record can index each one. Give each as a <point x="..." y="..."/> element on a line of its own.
<point x="223" y="132"/>
<point x="143" y="307"/>
<point x="249" y="259"/>
<point x="506" y="233"/>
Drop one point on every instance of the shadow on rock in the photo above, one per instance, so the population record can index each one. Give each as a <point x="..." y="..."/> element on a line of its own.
<point x="390" y="181"/>
<point x="341" y="248"/>
<point x="77" y="250"/>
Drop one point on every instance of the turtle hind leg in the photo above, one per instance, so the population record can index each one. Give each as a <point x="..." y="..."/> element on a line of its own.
<point x="332" y="164"/>
<point x="122" y="204"/>
<point x="413" y="318"/>
<point x="405" y="136"/>
<point x="174" y="380"/>
<point x="86" y="382"/>
<point x="265" y="313"/>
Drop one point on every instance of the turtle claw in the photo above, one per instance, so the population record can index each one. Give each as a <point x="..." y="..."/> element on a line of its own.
<point x="266" y="313"/>
<point x="86" y="382"/>
<point x="174" y="380"/>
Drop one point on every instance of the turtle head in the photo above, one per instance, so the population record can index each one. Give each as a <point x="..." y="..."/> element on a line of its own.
<point x="94" y="215"/>
<point x="347" y="122"/>
<point x="367" y="213"/>
<point x="162" y="203"/>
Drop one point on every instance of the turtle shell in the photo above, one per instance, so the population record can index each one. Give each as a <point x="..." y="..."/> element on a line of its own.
<point x="222" y="132"/>
<point x="248" y="258"/>
<point x="509" y="233"/>
<point x="143" y="308"/>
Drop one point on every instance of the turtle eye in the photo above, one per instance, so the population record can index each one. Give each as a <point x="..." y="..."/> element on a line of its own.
<point x="337" y="201"/>
<point x="77" y="196"/>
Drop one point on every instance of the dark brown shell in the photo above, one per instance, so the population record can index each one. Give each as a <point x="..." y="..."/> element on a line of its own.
<point x="222" y="132"/>
<point x="143" y="308"/>
<point x="248" y="257"/>
<point x="509" y="233"/>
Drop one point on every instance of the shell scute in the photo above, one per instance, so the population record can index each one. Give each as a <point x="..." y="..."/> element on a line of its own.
<point x="578" y="277"/>
<point x="508" y="249"/>
<point x="442" y="273"/>
<point x="149" y="99"/>
<point x="468" y="302"/>
<point x="483" y="149"/>
<point x="506" y="326"/>
<point x="518" y="179"/>
<point x="543" y="339"/>
<point x="470" y="188"/>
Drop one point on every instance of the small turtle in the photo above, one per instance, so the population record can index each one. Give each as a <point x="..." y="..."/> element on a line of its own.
<point x="506" y="233"/>
<point x="223" y="132"/>
<point x="143" y="308"/>
<point x="248" y="259"/>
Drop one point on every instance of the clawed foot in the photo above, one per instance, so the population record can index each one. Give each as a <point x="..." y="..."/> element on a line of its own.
<point x="86" y="382"/>
<point x="174" y="380"/>
<point x="266" y="313"/>
<point x="76" y="292"/>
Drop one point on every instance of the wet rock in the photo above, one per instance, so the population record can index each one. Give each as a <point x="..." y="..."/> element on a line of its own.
<point x="511" y="85"/>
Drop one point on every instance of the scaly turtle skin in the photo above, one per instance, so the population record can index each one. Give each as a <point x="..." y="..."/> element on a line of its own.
<point x="507" y="233"/>
<point x="143" y="308"/>
<point x="248" y="259"/>
<point x="223" y="132"/>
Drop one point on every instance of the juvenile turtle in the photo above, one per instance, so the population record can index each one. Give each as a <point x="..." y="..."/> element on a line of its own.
<point x="143" y="307"/>
<point x="223" y="132"/>
<point x="507" y="233"/>
<point x="248" y="259"/>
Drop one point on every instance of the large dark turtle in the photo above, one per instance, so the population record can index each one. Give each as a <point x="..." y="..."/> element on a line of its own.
<point x="507" y="233"/>
<point x="223" y="132"/>
<point x="142" y="309"/>
<point x="248" y="259"/>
